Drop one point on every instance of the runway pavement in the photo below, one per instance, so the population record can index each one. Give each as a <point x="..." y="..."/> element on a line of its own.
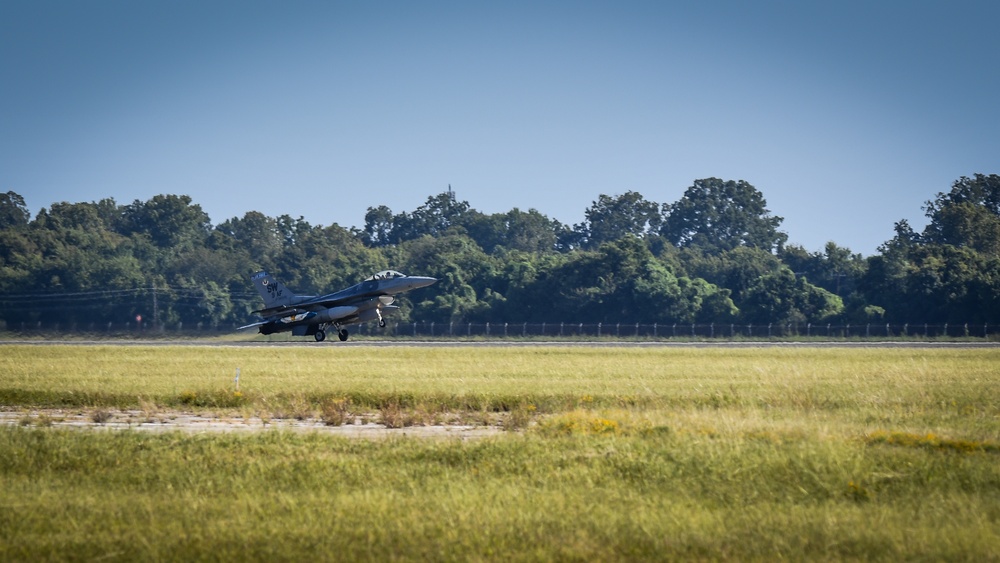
<point x="305" y="342"/>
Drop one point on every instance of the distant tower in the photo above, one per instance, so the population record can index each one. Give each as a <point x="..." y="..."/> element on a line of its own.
<point x="451" y="193"/>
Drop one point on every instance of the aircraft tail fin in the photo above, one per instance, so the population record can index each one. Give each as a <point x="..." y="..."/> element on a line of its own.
<point x="275" y="295"/>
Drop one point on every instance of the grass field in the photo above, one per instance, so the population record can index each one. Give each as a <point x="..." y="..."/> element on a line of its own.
<point x="635" y="453"/>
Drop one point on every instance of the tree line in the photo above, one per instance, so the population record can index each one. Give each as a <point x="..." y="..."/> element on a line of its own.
<point x="717" y="255"/>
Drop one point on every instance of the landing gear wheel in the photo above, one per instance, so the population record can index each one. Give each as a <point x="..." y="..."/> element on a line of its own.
<point x="381" y="323"/>
<point x="342" y="335"/>
<point x="320" y="335"/>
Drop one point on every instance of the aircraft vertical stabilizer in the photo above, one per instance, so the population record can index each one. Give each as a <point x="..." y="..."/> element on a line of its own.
<point x="274" y="294"/>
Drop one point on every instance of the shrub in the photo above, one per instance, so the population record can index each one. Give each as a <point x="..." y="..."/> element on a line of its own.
<point x="100" y="416"/>
<point x="393" y="416"/>
<point x="334" y="412"/>
<point x="518" y="418"/>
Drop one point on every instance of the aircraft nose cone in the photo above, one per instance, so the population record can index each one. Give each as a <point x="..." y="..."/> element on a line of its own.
<point x="419" y="281"/>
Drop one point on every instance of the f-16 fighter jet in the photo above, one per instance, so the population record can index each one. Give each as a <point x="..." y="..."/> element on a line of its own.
<point x="306" y="315"/>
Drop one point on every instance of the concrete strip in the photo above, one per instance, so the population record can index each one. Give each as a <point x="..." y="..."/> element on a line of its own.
<point x="177" y="421"/>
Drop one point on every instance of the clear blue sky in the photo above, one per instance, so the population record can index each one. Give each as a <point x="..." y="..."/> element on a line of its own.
<point x="847" y="115"/>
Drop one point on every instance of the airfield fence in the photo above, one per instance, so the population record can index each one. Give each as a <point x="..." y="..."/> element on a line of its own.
<point x="663" y="331"/>
<point x="546" y="330"/>
<point x="44" y="309"/>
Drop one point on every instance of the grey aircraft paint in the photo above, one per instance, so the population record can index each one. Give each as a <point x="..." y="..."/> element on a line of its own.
<point x="306" y="315"/>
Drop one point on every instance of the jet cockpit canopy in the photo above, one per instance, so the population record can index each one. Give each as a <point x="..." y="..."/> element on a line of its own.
<point x="386" y="275"/>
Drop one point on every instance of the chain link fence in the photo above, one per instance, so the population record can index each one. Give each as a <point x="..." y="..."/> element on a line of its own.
<point x="143" y="312"/>
<point x="657" y="331"/>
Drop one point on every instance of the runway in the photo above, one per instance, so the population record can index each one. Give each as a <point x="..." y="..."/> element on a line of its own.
<point x="363" y="343"/>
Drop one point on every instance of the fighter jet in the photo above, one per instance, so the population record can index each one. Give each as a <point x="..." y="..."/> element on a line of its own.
<point x="306" y="315"/>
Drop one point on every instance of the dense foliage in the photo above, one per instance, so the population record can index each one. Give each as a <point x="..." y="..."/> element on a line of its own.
<point x="715" y="256"/>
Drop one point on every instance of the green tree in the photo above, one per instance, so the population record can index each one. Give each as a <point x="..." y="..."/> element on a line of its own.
<point x="257" y="234"/>
<point x="329" y="258"/>
<point x="434" y="218"/>
<point x="19" y="258"/>
<point x="515" y="230"/>
<point x="718" y="215"/>
<point x="966" y="225"/>
<point x="611" y="218"/>
<point x="935" y="283"/>
<point x="736" y="269"/>
<point x="705" y="302"/>
<point x="781" y="297"/>
<point x="465" y="290"/>
<point x="80" y="253"/>
<point x="836" y="269"/>
<point x="967" y="216"/>
<point x="620" y="282"/>
<point x="378" y="230"/>
<point x="14" y="213"/>
<point x="68" y="249"/>
<point x="948" y="273"/>
<point x="438" y="214"/>
<point x="170" y="221"/>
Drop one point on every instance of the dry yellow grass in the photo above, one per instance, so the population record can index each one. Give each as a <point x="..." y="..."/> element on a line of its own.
<point x="637" y="454"/>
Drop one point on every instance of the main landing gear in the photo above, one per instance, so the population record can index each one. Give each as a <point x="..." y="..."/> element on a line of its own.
<point x="321" y="335"/>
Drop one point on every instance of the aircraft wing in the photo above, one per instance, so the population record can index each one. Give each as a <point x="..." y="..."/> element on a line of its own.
<point x="317" y="303"/>
<point x="284" y="311"/>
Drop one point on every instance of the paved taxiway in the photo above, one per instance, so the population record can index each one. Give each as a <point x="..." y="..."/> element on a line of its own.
<point x="519" y="343"/>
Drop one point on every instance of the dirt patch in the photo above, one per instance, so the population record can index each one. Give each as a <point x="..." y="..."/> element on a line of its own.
<point x="180" y="421"/>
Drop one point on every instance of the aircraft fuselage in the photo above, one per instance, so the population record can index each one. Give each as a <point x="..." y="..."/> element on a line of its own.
<point x="310" y="315"/>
